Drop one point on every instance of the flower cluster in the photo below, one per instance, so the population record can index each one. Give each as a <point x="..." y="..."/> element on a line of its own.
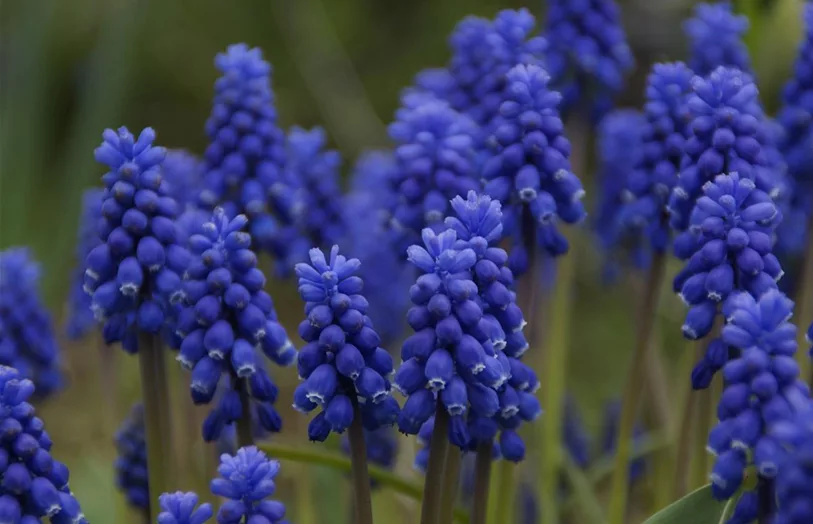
<point x="131" y="463"/>
<point x="727" y="248"/>
<point x="27" y="340"/>
<point x="664" y="135"/>
<point x="246" y="153"/>
<point x="483" y="51"/>
<point x="529" y="168"/>
<point x="80" y="315"/>
<point x="247" y="480"/>
<point x="315" y="172"/>
<point x="762" y="388"/>
<point x="183" y="173"/>
<point x="34" y="484"/>
<point x="134" y="273"/>
<point x="715" y="36"/>
<point x="795" y="469"/>
<point x="343" y="367"/>
<point x="588" y="55"/>
<point x="229" y="318"/>
<point x="435" y="163"/>
<point x="180" y="508"/>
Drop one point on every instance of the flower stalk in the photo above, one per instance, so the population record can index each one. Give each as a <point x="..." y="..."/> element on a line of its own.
<point x="482" y="482"/>
<point x="245" y="436"/>
<point x="362" y="501"/>
<point x="433" y="485"/>
<point x="451" y="476"/>
<point x="804" y="304"/>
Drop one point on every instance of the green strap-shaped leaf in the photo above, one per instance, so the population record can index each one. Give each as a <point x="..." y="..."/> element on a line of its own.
<point x="698" y="507"/>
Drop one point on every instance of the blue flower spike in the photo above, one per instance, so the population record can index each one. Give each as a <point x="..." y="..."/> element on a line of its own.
<point x="80" y="317"/>
<point x="132" y="478"/>
<point x="182" y="508"/>
<point x="715" y="35"/>
<point x="247" y="481"/>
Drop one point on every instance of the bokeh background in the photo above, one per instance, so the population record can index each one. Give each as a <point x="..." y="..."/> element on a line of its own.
<point x="70" y="68"/>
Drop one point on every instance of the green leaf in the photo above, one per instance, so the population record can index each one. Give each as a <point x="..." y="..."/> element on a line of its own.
<point x="698" y="507"/>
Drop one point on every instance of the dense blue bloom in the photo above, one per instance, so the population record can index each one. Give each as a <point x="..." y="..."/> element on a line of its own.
<point x="34" y="485"/>
<point x="342" y="364"/>
<point x="588" y="55"/>
<point x="134" y="273"/>
<point x="762" y="388"/>
<point x="80" y="315"/>
<point x="246" y="153"/>
<point x="715" y="36"/>
<point x="229" y="319"/>
<point x="247" y="480"/>
<point x="183" y="173"/>
<point x="727" y="248"/>
<point x="620" y="151"/>
<point x="664" y="135"/>
<point x="27" y="340"/>
<point x="728" y="133"/>
<point x="529" y="170"/>
<point x="794" y="478"/>
<point x="180" y="508"/>
<point x="483" y="51"/>
<point x="435" y="162"/>
<point x="131" y="463"/>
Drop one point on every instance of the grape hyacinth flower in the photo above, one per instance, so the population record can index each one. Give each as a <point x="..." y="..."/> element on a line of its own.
<point x="27" y="339"/>
<point x="314" y="170"/>
<point x="435" y="162"/>
<point x="246" y="154"/>
<point x="344" y="370"/>
<point x="529" y="170"/>
<point x="247" y="481"/>
<point x="229" y="318"/>
<point x="34" y="484"/>
<point x="182" y="508"/>
<point x="795" y="470"/>
<point x="762" y="389"/>
<point x="715" y="37"/>
<point x="80" y="315"/>
<point x="183" y="172"/>
<point x="588" y="54"/>
<point x="131" y="464"/>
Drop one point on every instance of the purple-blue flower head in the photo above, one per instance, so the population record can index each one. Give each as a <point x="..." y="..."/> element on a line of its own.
<point x="716" y="38"/>
<point x="794" y="478"/>
<point x="343" y="366"/>
<point x="762" y="388"/>
<point x="588" y="55"/>
<point x="246" y="154"/>
<point x="728" y="247"/>
<point x="183" y="172"/>
<point x="27" y="340"/>
<point x="247" y="481"/>
<point x="435" y="163"/>
<point x="529" y="168"/>
<point x="133" y="275"/>
<point x="230" y="320"/>
<point x="182" y="508"/>
<point x="80" y="315"/>
<point x="131" y="463"/>
<point x="34" y="484"/>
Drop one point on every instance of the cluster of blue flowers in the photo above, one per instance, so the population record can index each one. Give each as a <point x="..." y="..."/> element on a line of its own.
<point x="715" y="38"/>
<point x="344" y="369"/>
<point x="229" y="318"/>
<point x="794" y="489"/>
<point x="588" y="55"/>
<point x="80" y="315"/>
<point x="34" y="484"/>
<point x="27" y="340"/>
<point x="131" y="463"/>
<point x="183" y="172"/>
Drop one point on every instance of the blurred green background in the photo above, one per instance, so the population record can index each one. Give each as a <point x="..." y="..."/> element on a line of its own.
<point x="68" y="69"/>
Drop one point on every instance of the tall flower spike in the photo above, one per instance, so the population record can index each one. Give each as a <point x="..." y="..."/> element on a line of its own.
<point x="247" y="481"/>
<point x="342" y="365"/>
<point x="529" y="168"/>
<point x="246" y="153"/>
<point x="715" y="38"/>
<point x="315" y="171"/>
<point x="180" y="508"/>
<point x="34" y="484"/>
<point x="762" y="388"/>
<point x="80" y="315"/>
<point x="131" y="463"/>
<point x="478" y="224"/>
<point x="620" y="151"/>
<point x="483" y="51"/>
<point x="27" y="340"/>
<point x="588" y="56"/>
<point x="794" y="477"/>
<point x="134" y="273"/>
<point x="229" y="319"/>
<point x="435" y="163"/>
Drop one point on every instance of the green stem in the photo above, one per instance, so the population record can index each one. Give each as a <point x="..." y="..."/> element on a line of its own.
<point x="157" y="420"/>
<point x="451" y="476"/>
<point x="245" y="436"/>
<point x="337" y="462"/>
<point x="433" y="485"/>
<point x="362" y="501"/>
<point x="634" y="388"/>
<point x="502" y="499"/>
<point x="804" y="305"/>
<point x="583" y="490"/>
<point x="683" y="452"/>
<point x="482" y="479"/>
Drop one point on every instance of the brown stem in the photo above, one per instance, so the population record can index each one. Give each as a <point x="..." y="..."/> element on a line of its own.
<point x="362" y="501"/>
<point x="433" y="485"/>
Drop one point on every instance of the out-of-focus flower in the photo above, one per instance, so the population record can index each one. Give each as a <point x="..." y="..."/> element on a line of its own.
<point x="715" y="37"/>
<point x="131" y="464"/>
<point x="183" y="172"/>
<point x="794" y="475"/>
<point x="247" y="481"/>
<point x="182" y="508"/>
<point x="80" y="315"/>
